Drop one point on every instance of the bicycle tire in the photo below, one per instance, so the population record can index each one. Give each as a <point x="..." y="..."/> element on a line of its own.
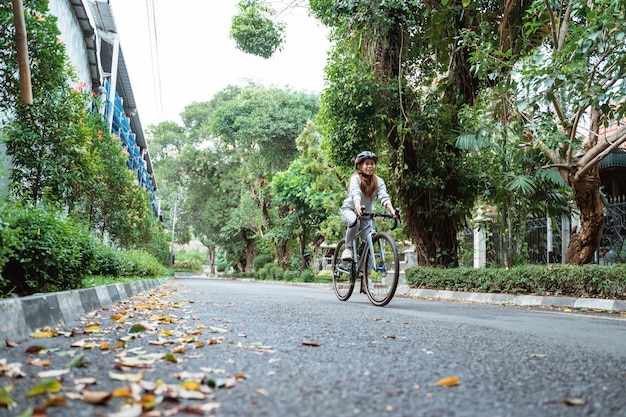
<point x="381" y="285"/>
<point x="343" y="280"/>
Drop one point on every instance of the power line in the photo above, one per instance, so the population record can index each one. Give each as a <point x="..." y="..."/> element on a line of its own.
<point x="154" y="57"/>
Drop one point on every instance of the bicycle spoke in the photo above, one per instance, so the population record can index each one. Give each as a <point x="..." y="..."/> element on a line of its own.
<point x="381" y="277"/>
<point x="343" y="285"/>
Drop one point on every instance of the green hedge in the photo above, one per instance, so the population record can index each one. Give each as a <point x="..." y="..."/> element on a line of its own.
<point x="568" y="280"/>
<point x="45" y="251"/>
<point x="51" y="253"/>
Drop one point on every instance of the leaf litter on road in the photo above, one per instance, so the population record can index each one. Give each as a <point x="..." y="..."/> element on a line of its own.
<point x="131" y="321"/>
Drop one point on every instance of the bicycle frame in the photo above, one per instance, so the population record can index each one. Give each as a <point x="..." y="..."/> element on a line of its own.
<point x="364" y="237"/>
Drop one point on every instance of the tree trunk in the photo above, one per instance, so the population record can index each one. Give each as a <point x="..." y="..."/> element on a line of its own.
<point x="212" y="256"/>
<point x="584" y="242"/>
<point x="250" y="254"/>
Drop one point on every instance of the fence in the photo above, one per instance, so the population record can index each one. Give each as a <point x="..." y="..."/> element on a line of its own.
<point x="546" y="239"/>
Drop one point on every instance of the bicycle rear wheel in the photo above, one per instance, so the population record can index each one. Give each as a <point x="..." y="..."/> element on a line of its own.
<point x="343" y="283"/>
<point x="381" y="276"/>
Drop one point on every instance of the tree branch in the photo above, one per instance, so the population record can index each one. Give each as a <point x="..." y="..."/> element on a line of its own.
<point x="600" y="151"/>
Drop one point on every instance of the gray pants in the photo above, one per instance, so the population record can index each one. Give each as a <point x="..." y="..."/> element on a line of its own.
<point x="349" y="218"/>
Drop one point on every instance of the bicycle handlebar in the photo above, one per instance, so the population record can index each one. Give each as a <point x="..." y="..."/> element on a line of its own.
<point x="385" y="215"/>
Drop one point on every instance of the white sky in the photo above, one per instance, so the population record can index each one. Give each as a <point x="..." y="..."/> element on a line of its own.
<point x="197" y="58"/>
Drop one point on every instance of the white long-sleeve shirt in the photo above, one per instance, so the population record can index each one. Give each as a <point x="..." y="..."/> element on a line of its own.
<point x="355" y="194"/>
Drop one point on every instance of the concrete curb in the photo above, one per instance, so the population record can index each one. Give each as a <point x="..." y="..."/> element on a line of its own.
<point x="19" y="317"/>
<point x="520" y="300"/>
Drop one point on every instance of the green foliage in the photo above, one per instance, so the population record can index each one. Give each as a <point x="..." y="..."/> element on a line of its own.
<point x="52" y="253"/>
<point x="247" y="134"/>
<point x="125" y="263"/>
<point x="260" y="261"/>
<point x="560" y="280"/>
<point x="222" y="266"/>
<point x="188" y="265"/>
<point x="307" y="275"/>
<point x="254" y="31"/>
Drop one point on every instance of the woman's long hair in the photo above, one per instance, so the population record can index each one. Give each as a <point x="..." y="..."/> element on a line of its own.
<point x="369" y="184"/>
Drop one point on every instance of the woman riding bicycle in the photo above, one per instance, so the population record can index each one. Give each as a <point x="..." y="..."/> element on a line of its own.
<point x="364" y="187"/>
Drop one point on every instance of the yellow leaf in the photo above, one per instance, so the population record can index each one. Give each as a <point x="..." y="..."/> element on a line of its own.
<point x="191" y="385"/>
<point x="44" y="333"/>
<point x="104" y="346"/>
<point x="451" y="381"/>
<point x="5" y="397"/>
<point x="46" y="386"/>
<point x="166" y="332"/>
<point x="122" y="392"/>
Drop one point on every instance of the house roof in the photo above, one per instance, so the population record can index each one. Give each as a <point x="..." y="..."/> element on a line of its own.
<point x="102" y="17"/>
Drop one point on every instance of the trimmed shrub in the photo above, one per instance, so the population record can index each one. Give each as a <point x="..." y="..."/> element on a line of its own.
<point x="277" y="273"/>
<point x="222" y="266"/>
<point x="260" y="260"/>
<point x="53" y="254"/>
<point x="565" y="280"/>
<point x="307" y="275"/>
<point x="188" y="265"/>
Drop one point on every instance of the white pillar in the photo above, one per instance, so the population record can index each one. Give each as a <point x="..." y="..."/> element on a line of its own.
<point x="549" y="237"/>
<point x="480" y="247"/>
<point x="565" y="232"/>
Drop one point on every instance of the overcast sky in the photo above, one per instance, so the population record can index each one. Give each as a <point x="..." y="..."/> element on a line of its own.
<point x="197" y="58"/>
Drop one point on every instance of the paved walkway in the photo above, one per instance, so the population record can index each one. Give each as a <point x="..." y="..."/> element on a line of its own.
<point x="19" y="317"/>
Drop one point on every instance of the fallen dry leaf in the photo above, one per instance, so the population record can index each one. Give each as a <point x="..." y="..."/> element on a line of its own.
<point x="128" y="410"/>
<point x="307" y="343"/>
<point x="96" y="397"/>
<point x="53" y="373"/>
<point x="451" y="381"/>
<point x="574" y="401"/>
<point x="10" y="343"/>
<point x="44" y="333"/>
<point x="55" y="401"/>
<point x="39" y="362"/>
<point x="126" y="377"/>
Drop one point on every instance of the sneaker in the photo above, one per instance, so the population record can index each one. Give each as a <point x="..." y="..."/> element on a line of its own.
<point x="346" y="255"/>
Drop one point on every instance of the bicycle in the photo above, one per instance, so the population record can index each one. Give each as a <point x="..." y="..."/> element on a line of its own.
<point x="376" y="263"/>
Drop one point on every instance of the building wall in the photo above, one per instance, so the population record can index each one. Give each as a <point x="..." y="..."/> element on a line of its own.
<point x="72" y="38"/>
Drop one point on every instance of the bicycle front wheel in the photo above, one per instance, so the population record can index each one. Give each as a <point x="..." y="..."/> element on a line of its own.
<point x="381" y="274"/>
<point x="343" y="281"/>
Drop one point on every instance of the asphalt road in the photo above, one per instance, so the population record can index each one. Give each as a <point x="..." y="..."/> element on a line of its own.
<point x="280" y="350"/>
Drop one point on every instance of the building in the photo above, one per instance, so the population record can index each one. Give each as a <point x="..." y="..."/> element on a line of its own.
<point x="90" y="36"/>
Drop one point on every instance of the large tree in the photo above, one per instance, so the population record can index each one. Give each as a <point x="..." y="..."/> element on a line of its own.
<point x="575" y="87"/>
<point x="397" y="80"/>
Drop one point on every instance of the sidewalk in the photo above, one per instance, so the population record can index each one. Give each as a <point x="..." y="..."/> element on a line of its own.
<point x="19" y="317"/>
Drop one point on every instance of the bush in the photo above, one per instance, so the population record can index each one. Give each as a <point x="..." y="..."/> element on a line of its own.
<point x="308" y="275"/>
<point x="277" y="273"/>
<point x="259" y="261"/>
<point x="53" y="254"/>
<point x="265" y="272"/>
<point x="222" y="266"/>
<point x="567" y="280"/>
<point x="188" y="265"/>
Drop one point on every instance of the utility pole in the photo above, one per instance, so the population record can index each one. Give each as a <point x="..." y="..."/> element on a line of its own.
<point x="173" y="227"/>
<point x="26" y="91"/>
